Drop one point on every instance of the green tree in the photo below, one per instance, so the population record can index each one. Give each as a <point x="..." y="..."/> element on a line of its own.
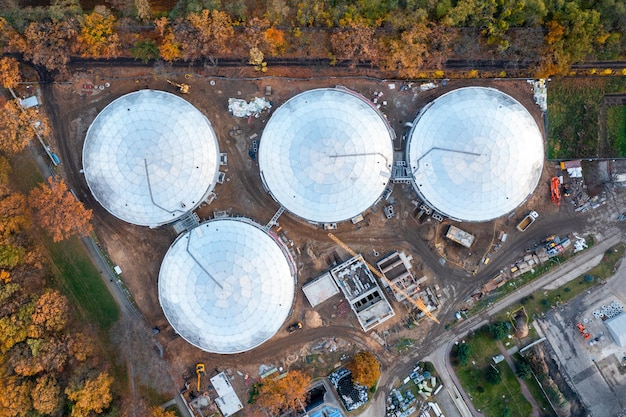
<point x="522" y="369"/>
<point x="493" y="376"/>
<point x="463" y="352"/>
<point x="145" y="50"/>
<point x="11" y="256"/>
<point x="499" y="330"/>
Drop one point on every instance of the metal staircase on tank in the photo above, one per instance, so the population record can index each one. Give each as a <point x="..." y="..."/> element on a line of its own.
<point x="274" y="220"/>
<point x="187" y="222"/>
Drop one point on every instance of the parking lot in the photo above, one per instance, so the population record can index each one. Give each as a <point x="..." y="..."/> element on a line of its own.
<point x="594" y="365"/>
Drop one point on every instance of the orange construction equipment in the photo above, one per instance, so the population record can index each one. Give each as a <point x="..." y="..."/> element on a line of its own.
<point x="555" y="190"/>
<point x="417" y="303"/>
<point x="583" y="331"/>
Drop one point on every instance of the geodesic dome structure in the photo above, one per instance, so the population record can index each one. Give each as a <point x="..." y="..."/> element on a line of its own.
<point x="475" y="154"/>
<point x="226" y="286"/>
<point x="326" y="155"/>
<point x="150" y="157"/>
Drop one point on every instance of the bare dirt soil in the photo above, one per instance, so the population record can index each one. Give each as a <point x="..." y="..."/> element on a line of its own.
<point x="139" y="251"/>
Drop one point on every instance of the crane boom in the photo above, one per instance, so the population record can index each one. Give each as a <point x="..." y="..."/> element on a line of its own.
<point x="417" y="303"/>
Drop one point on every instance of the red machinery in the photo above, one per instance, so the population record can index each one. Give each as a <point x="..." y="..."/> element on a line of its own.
<point x="555" y="190"/>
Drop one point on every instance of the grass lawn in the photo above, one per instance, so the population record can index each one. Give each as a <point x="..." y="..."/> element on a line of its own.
<point x="573" y="117"/>
<point x="81" y="281"/>
<point x="491" y="400"/>
<point x="71" y="266"/>
<point x="616" y="128"/>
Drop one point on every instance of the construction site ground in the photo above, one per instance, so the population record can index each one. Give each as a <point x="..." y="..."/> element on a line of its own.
<point x="331" y="333"/>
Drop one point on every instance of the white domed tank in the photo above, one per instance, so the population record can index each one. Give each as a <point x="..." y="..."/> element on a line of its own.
<point x="227" y="286"/>
<point x="150" y="157"/>
<point x="475" y="154"/>
<point x="326" y="155"/>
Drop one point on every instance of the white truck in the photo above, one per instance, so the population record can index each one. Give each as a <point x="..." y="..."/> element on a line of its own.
<point x="527" y="221"/>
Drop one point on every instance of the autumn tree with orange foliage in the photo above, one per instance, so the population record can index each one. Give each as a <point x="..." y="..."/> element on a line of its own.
<point x="288" y="393"/>
<point x="17" y="127"/>
<point x="93" y="394"/>
<point x="15" y="399"/>
<point x="98" y="37"/>
<point x="50" y="315"/>
<point x="354" y="42"/>
<point x="57" y="211"/>
<point x="48" y="43"/>
<point x="204" y="34"/>
<point x="275" y="39"/>
<point x="169" y="47"/>
<point x="14" y="215"/>
<point x="365" y="369"/>
<point x="46" y="395"/>
<point x="9" y="72"/>
<point x="159" y="412"/>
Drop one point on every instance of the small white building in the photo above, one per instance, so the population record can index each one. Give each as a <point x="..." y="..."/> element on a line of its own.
<point x="227" y="400"/>
<point x="29" y="102"/>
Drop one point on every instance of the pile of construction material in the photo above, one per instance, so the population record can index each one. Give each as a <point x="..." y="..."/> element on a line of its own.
<point x="352" y="395"/>
<point x="240" y="108"/>
<point x="399" y="405"/>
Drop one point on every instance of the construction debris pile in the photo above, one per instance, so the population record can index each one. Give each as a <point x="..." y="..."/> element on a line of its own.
<point x="399" y="405"/>
<point x="353" y="396"/>
<point x="240" y="108"/>
<point x="422" y="379"/>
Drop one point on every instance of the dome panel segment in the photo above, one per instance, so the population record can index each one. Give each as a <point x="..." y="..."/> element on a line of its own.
<point x="326" y="155"/>
<point x="150" y="157"/>
<point x="226" y="286"/>
<point x="475" y="154"/>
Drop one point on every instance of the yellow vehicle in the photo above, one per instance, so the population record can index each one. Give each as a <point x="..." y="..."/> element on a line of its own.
<point x="183" y="88"/>
<point x="200" y="372"/>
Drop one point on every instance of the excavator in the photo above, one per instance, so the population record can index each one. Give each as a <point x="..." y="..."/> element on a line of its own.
<point x="416" y="302"/>
<point x="183" y="88"/>
<point x="200" y="372"/>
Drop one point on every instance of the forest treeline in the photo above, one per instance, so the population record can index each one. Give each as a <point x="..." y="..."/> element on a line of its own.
<point x="50" y="363"/>
<point x="400" y="37"/>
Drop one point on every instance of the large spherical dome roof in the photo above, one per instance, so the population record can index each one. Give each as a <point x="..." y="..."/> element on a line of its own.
<point x="150" y="157"/>
<point x="326" y="155"/>
<point x="226" y="286"/>
<point x="475" y="154"/>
